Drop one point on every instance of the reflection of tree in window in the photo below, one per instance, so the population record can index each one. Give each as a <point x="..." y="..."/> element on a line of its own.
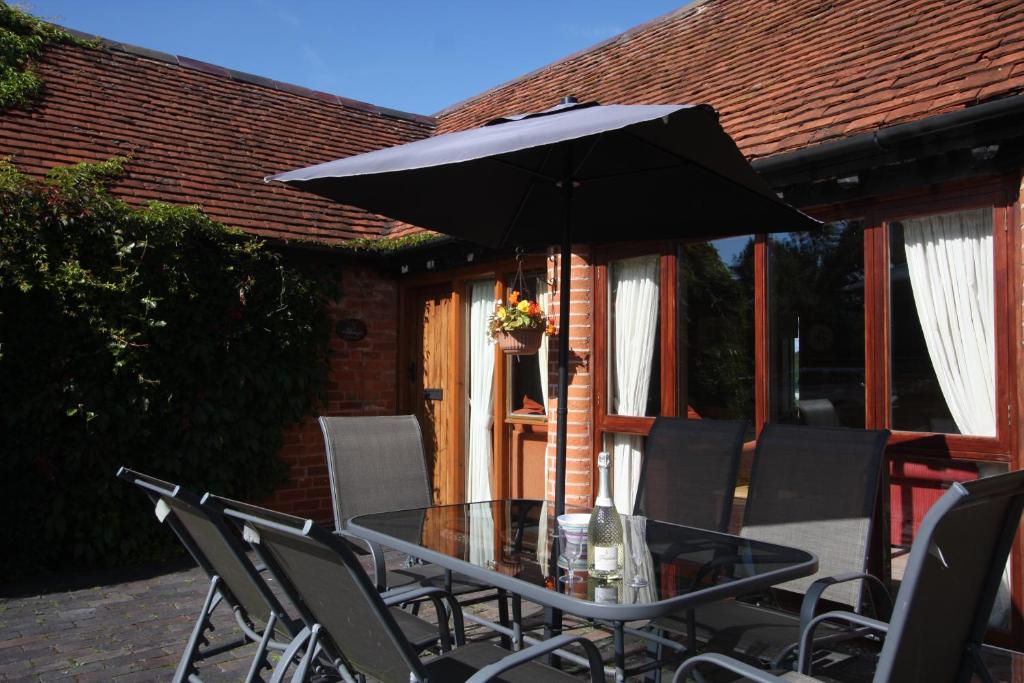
<point x="717" y="318"/>
<point x="816" y="300"/>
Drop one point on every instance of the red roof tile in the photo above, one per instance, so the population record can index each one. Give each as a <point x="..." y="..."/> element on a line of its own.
<point x="786" y="74"/>
<point x="202" y="134"/>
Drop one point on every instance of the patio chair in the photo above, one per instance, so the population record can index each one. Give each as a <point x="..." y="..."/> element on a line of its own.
<point x="234" y="580"/>
<point x="813" y="488"/>
<point x="350" y="625"/>
<point x="943" y="605"/>
<point x="688" y="473"/>
<point x="377" y="464"/>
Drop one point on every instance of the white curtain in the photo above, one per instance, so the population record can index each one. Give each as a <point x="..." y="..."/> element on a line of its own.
<point x="481" y="393"/>
<point x="481" y="535"/>
<point x="634" y="286"/>
<point x="949" y="258"/>
<point x="544" y="301"/>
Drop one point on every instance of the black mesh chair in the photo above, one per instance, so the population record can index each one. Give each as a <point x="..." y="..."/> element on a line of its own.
<point x="943" y="606"/>
<point x="377" y="464"/>
<point x="688" y="473"/>
<point x="234" y="580"/>
<point x="350" y="624"/>
<point x="813" y="488"/>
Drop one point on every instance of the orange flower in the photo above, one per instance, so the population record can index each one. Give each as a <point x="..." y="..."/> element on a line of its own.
<point x="550" y="329"/>
<point x="513" y="298"/>
<point x="534" y="310"/>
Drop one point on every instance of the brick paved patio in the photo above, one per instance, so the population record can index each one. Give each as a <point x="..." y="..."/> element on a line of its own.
<point x="132" y="626"/>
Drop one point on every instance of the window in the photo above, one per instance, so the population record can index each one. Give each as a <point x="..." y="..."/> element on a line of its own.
<point x="634" y="373"/>
<point x="716" y="323"/>
<point x="942" y="323"/>
<point x="816" y="326"/>
<point x="527" y="376"/>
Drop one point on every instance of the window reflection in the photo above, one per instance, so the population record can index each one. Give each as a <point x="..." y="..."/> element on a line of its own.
<point x="527" y="389"/>
<point x="717" y="328"/>
<point x="816" y="309"/>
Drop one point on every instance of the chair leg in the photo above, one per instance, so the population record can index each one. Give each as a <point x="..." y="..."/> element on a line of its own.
<point x="288" y="656"/>
<point x="655" y="651"/>
<point x="302" y="670"/>
<point x="259" y="661"/>
<point x="517" y="622"/>
<point x="186" y="666"/>
<point x="506" y="642"/>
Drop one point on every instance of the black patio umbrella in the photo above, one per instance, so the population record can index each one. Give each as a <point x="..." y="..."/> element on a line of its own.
<point x="575" y="173"/>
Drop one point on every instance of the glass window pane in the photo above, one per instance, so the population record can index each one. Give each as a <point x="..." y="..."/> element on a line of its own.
<point x="716" y="320"/>
<point x="942" y="319"/>
<point x="816" y="326"/>
<point x="527" y="389"/>
<point x="634" y="345"/>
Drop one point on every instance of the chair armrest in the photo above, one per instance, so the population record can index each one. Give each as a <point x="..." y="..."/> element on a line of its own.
<point x="513" y="660"/>
<point x="380" y="570"/>
<point x="436" y="594"/>
<point x="807" y="634"/>
<point x="728" y="663"/>
<point x="814" y="592"/>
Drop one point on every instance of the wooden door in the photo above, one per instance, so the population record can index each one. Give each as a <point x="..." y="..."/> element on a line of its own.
<point x="430" y="389"/>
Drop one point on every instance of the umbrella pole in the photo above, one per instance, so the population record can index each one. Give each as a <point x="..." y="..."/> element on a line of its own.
<point x="564" y="282"/>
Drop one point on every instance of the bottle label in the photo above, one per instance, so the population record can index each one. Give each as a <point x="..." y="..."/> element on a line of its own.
<point x="607" y="595"/>
<point x="606" y="558"/>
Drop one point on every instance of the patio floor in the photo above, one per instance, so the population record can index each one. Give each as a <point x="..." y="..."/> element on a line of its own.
<point x="131" y="625"/>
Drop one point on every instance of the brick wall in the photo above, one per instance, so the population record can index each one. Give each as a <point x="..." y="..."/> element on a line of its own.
<point x="363" y="382"/>
<point x="580" y="437"/>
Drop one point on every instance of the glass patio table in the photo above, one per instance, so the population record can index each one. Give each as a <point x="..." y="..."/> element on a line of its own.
<point x="512" y="545"/>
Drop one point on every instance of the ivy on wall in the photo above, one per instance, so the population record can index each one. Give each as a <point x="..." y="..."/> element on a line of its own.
<point x="22" y="40"/>
<point x="153" y="338"/>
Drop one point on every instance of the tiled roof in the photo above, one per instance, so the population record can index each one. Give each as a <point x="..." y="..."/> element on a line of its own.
<point x="201" y="134"/>
<point x="786" y="74"/>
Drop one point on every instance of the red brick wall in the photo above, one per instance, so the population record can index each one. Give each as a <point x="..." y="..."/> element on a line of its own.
<point x="580" y="436"/>
<point x="363" y="382"/>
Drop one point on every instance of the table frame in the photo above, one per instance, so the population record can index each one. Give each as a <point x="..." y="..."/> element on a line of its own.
<point x="615" y="615"/>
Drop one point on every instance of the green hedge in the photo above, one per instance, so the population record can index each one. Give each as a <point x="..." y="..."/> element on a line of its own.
<point x="154" y="338"/>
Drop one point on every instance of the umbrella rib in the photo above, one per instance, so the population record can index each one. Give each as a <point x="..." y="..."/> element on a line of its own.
<point x="586" y="155"/>
<point x="613" y="176"/>
<point x="679" y="157"/>
<point x="529" y="190"/>
<point x="529" y="171"/>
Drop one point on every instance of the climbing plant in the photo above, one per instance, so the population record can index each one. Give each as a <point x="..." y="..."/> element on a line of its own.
<point x="153" y="338"/>
<point x="22" y="40"/>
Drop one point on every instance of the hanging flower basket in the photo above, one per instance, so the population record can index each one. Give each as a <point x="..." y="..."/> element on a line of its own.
<point x="523" y="342"/>
<point x="518" y="328"/>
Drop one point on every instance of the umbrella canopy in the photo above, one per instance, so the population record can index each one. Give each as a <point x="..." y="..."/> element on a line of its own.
<point x="638" y="172"/>
<point x="573" y="173"/>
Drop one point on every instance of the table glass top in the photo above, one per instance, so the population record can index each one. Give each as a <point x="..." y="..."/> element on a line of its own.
<point x="518" y="538"/>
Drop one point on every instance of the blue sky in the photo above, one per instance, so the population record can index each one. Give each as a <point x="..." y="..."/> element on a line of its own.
<point x="417" y="56"/>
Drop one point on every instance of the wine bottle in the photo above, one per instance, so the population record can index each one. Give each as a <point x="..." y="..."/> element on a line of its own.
<point x="605" y="553"/>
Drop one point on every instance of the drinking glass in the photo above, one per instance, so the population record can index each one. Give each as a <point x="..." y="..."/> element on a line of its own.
<point x="638" y="549"/>
<point x="572" y="548"/>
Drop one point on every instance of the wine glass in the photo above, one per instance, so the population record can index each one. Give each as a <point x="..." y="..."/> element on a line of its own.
<point x="638" y="549"/>
<point x="572" y="548"/>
